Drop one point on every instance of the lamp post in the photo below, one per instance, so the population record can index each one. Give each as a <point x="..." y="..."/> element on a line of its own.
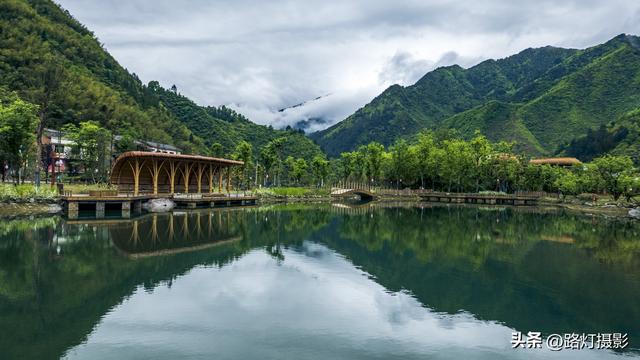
<point x="54" y="161"/>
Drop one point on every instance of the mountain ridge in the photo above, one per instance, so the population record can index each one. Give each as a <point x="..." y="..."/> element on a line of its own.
<point x="40" y="39"/>
<point x="553" y="94"/>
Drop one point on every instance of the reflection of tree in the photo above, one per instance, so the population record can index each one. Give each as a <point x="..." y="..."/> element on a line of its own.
<point x="506" y="265"/>
<point x="279" y="227"/>
<point x="474" y="233"/>
<point x="487" y="261"/>
<point x="58" y="298"/>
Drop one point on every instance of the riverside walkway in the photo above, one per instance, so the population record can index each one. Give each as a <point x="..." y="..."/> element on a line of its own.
<point x="368" y="193"/>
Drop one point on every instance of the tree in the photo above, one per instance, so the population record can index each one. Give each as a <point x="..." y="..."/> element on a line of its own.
<point x="506" y="169"/>
<point x="269" y="158"/>
<point x="539" y="177"/>
<point x="126" y="142"/>
<point x="289" y="164"/>
<point x="568" y="183"/>
<point x="299" y="170"/>
<point x="425" y="155"/>
<point x="611" y="168"/>
<point x="630" y="182"/>
<point x="45" y="91"/>
<point x="274" y="150"/>
<point x="217" y="150"/>
<point x="481" y="150"/>
<point x="244" y="153"/>
<point x="456" y="164"/>
<point x="373" y="153"/>
<point x="346" y="165"/>
<point x="18" y="121"/>
<point x="93" y="145"/>
<point x="320" y="169"/>
<point x="402" y="163"/>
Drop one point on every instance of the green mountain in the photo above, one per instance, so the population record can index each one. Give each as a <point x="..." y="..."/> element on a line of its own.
<point x="542" y="98"/>
<point x="619" y="137"/>
<point x="50" y="59"/>
<point x="227" y="127"/>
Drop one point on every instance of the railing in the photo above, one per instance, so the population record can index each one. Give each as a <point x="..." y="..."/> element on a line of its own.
<point x="342" y="187"/>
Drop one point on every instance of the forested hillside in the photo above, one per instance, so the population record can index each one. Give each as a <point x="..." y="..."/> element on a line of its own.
<point x="620" y="137"/>
<point x="226" y="127"/>
<point x="541" y="98"/>
<point x="51" y="60"/>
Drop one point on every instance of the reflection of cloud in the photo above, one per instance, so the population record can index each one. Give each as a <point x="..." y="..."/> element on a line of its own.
<point x="267" y="55"/>
<point x="319" y="307"/>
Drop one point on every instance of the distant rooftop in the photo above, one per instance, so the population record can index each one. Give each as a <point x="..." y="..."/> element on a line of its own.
<point x="160" y="145"/>
<point x="166" y="147"/>
<point x="560" y="161"/>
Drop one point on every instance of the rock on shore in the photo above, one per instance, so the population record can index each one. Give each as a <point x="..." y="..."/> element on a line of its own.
<point x="158" y="205"/>
<point x="635" y="213"/>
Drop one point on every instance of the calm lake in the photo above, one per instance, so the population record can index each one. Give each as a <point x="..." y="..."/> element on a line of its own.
<point x="317" y="282"/>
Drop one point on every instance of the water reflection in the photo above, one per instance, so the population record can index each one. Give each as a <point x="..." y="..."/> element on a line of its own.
<point x="321" y="282"/>
<point x="176" y="232"/>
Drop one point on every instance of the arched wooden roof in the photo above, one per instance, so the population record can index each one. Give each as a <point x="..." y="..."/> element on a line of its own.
<point x="144" y="169"/>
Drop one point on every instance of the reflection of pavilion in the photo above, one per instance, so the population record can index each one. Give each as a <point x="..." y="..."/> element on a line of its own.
<point x="73" y="276"/>
<point x="172" y="233"/>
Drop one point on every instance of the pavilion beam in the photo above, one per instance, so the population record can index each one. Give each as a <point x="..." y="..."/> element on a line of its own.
<point x="172" y="177"/>
<point x="136" y="166"/>
<point x="200" y="172"/>
<point x="171" y="171"/>
<point x="220" y="180"/>
<point x="186" y="175"/>
<point x="154" y="169"/>
<point x="210" y="178"/>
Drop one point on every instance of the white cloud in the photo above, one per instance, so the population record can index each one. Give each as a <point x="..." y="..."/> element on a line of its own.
<point x="258" y="308"/>
<point x="262" y="56"/>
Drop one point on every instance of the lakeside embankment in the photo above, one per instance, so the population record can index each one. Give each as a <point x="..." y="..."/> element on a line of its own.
<point x="25" y="200"/>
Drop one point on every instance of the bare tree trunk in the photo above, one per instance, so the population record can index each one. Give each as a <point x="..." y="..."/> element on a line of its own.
<point x="39" y="131"/>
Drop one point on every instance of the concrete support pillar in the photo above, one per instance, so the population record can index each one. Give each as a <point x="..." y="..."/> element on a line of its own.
<point x="137" y="207"/>
<point x="72" y="210"/>
<point x="126" y="209"/>
<point x="100" y="206"/>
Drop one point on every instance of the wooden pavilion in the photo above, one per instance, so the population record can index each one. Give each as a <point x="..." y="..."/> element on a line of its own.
<point x="141" y="172"/>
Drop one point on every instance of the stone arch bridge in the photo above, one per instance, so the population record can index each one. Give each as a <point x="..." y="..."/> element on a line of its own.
<point x="364" y="194"/>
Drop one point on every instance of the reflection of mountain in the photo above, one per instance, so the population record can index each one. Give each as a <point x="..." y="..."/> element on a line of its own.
<point x="51" y="301"/>
<point x="489" y="263"/>
<point x="494" y="266"/>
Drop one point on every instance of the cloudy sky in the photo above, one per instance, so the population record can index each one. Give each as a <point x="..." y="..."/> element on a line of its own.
<point x="260" y="56"/>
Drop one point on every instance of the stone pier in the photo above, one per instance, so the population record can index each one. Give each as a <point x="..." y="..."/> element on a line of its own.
<point x="72" y="210"/>
<point x="126" y="209"/>
<point x="100" y="206"/>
